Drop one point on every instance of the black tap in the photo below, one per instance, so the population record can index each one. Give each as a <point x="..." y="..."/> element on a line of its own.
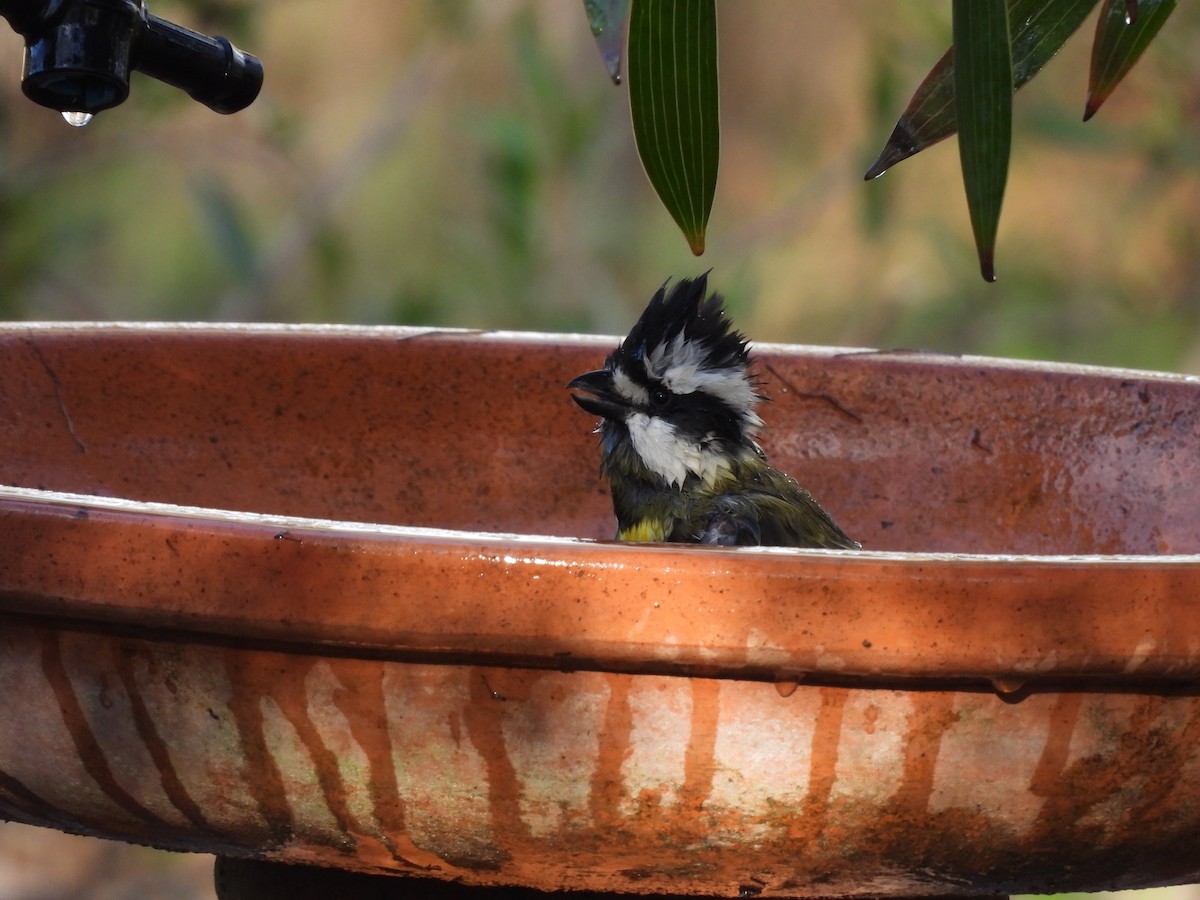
<point x="79" y="53"/>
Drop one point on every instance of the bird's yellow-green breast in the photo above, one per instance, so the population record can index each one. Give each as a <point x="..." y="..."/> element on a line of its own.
<point x="644" y="530"/>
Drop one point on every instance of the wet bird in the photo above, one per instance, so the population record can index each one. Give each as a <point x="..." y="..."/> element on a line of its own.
<point x="677" y="434"/>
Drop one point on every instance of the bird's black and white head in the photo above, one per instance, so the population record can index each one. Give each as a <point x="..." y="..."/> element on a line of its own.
<point x="676" y="397"/>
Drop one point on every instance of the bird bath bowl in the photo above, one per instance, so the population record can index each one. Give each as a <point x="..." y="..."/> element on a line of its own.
<point x="280" y="593"/>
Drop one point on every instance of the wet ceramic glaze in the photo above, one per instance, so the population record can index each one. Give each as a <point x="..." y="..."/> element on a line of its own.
<point x="341" y="596"/>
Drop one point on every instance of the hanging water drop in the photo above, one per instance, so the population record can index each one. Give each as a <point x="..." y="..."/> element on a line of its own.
<point x="786" y="684"/>
<point x="78" y="119"/>
<point x="1008" y="687"/>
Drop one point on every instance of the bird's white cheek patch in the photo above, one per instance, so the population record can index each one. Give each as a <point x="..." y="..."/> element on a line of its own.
<point x="658" y="445"/>
<point x="664" y="452"/>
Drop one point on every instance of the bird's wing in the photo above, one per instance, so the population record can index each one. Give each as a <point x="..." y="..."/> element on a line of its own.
<point x="729" y="522"/>
<point x="776" y="512"/>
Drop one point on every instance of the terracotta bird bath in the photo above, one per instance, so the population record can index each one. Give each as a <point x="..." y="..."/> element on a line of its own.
<point x="342" y="596"/>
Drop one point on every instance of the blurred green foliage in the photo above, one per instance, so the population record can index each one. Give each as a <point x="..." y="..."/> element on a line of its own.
<point x="469" y="163"/>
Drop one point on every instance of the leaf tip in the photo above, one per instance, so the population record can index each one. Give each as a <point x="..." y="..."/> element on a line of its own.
<point x="1092" y="106"/>
<point x="612" y="62"/>
<point x="987" y="267"/>
<point x="607" y="19"/>
<point x="900" y="146"/>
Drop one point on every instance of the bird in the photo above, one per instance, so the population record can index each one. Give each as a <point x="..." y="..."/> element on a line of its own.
<point x="678" y="434"/>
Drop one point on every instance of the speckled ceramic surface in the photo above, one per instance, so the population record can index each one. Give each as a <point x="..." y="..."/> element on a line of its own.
<point x="342" y="596"/>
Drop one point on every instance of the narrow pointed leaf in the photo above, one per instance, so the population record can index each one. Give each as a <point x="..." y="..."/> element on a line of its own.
<point x="607" y="20"/>
<point x="983" y="96"/>
<point x="929" y="118"/>
<point x="1038" y="28"/>
<point x="674" y="105"/>
<point x="1121" y="36"/>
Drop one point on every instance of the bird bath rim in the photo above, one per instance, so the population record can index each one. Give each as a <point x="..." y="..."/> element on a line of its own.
<point x="1030" y="651"/>
<point x="393" y="333"/>
<point x="66" y="499"/>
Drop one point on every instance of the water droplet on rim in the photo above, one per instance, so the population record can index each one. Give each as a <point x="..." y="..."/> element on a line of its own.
<point x="785" y="685"/>
<point x="78" y="119"/>
<point x="1008" y="685"/>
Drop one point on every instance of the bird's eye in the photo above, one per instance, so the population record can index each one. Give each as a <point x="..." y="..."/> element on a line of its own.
<point x="660" y="397"/>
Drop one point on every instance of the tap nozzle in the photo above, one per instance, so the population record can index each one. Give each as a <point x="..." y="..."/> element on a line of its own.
<point x="79" y="53"/>
<point x="210" y="70"/>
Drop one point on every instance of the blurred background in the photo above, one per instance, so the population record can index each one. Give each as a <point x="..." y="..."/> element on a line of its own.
<point x="468" y="163"/>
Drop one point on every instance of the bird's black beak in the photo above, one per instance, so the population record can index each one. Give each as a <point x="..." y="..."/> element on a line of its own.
<point x="594" y="392"/>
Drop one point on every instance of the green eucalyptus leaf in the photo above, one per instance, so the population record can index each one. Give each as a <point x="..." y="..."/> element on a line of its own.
<point x="607" y="20"/>
<point x="929" y="118"/>
<point x="983" y="94"/>
<point x="673" y="100"/>
<point x="1122" y="34"/>
<point x="1038" y="29"/>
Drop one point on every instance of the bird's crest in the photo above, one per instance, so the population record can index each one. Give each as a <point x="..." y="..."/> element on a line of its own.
<point x="683" y="314"/>
<point x="684" y="341"/>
